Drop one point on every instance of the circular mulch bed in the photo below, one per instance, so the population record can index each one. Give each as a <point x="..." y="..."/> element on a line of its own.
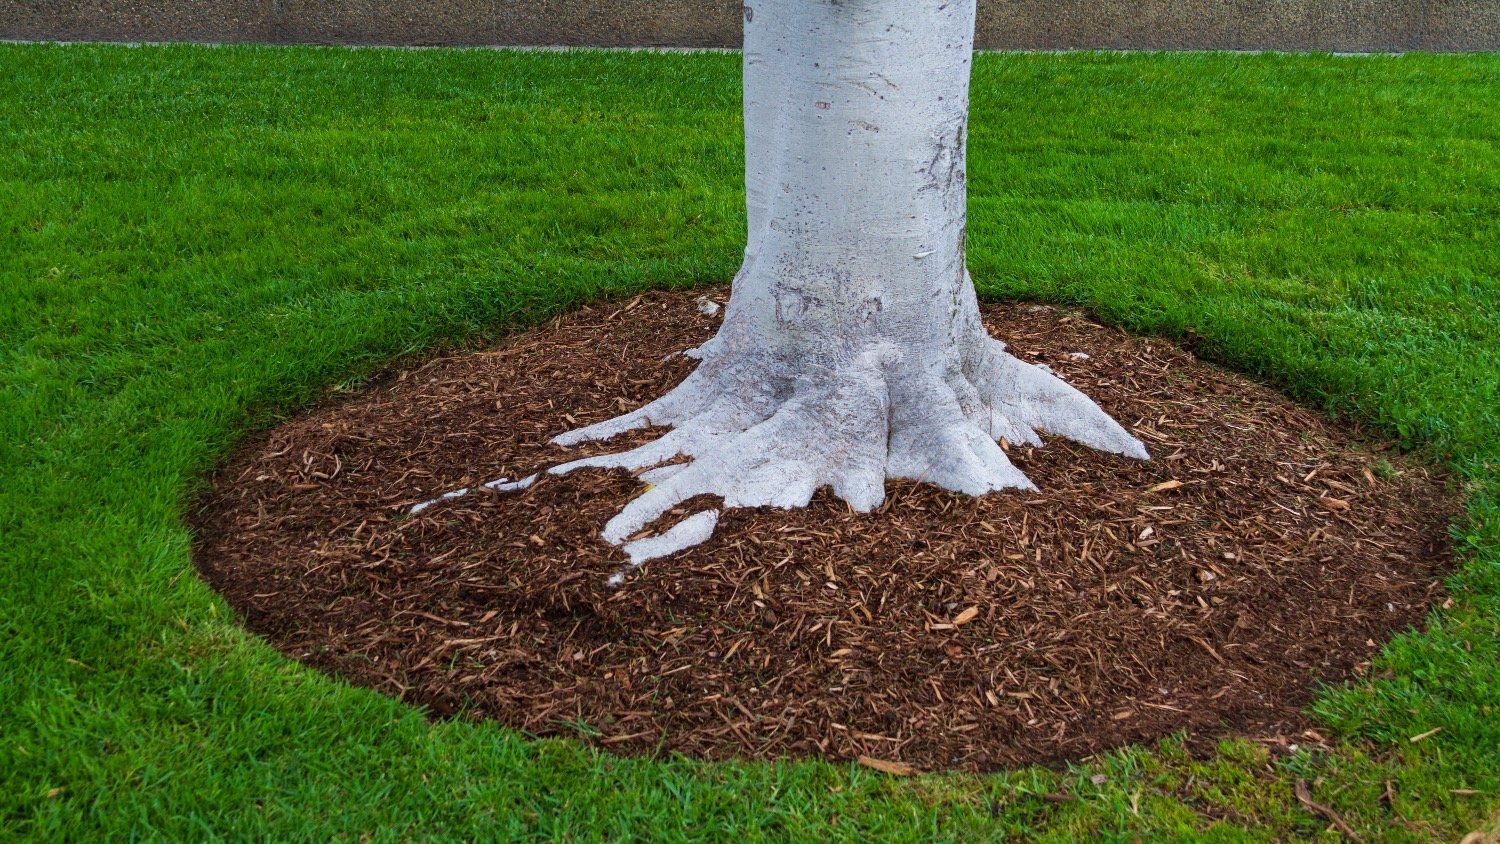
<point x="1262" y="549"/>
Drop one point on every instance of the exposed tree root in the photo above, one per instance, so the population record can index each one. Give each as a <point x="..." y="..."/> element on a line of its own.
<point x="498" y="485"/>
<point x="750" y="433"/>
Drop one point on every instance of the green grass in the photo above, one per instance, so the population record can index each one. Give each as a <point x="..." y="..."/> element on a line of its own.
<point x="196" y="242"/>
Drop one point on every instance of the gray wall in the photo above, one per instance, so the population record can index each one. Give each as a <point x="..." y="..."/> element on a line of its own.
<point x="1341" y="25"/>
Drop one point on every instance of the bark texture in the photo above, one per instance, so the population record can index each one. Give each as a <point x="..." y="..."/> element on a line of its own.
<point x="852" y="349"/>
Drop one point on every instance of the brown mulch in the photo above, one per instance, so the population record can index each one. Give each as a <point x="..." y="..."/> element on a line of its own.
<point x="1262" y="549"/>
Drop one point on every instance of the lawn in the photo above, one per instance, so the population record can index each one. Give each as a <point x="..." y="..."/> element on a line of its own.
<point x="196" y="242"/>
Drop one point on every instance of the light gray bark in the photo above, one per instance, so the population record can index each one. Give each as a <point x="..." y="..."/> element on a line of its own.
<point x="852" y="349"/>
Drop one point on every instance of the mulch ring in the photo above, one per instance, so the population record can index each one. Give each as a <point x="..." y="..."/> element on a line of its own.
<point x="1263" y="548"/>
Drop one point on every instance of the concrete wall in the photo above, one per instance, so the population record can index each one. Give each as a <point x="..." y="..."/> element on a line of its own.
<point x="1340" y="25"/>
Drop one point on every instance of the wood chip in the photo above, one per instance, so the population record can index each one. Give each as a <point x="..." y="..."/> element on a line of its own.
<point x="1304" y="796"/>
<point x="885" y="766"/>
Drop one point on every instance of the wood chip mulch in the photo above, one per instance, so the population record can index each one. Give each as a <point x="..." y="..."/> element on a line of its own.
<point x="1264" y="548"/>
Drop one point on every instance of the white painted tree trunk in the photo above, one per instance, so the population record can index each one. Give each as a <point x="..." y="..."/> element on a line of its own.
<point x="852" y="349"/>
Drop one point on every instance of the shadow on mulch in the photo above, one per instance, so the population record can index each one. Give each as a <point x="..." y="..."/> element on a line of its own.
<point x="1263" y="549"/>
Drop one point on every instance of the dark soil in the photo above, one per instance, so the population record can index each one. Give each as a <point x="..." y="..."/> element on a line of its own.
<point x="1264" y="548"/>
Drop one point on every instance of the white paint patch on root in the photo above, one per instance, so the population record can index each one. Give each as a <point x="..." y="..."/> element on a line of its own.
<point x="502" y="485"/>
<point x="499" y="485"/>
<point x="1021" y="399"/>
<point x="694" y="530"/>
<point x="447" y="496"/>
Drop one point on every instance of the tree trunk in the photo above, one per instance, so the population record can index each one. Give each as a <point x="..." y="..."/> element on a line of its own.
<point x="852" y="349"/>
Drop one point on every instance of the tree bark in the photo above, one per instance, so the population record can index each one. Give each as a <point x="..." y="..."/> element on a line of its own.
<point x="852" y="349"/>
